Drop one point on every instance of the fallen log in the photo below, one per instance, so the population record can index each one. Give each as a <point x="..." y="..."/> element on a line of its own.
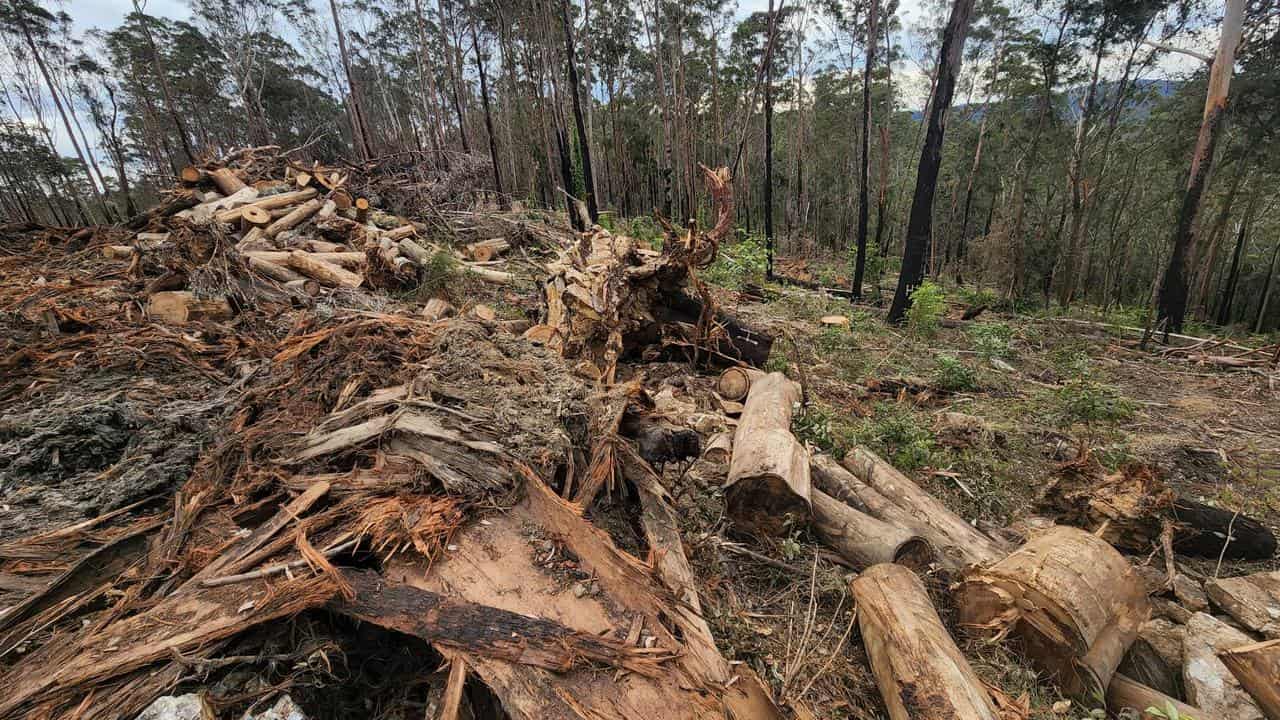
<point x="295" y="218"/>
<point x="1124" y="692"/>
<point x="344" y="259"/>
<point x="177" y="202"/>
<point x="326" y="273"/>
<point x="1207" y="531"/>
<point x="769" y="473"/>
<point x="270" y="202"/>
<point x="254" y="217"/>
<point x="921" y="673"/>
<point x="496" y="277"/>
<point x="948" y="532"/>
<point x="1257" y="668"/>
<point x="486" y="250"/>
<point x="226" y="180"/>
<point x="1076" y="603"/>
<point x="735" y="382"/>
<point x="1253" y="600"/>
<point x="276" y="272"/>
<point x="864" y="540"/>
<point x="180" y="306"/>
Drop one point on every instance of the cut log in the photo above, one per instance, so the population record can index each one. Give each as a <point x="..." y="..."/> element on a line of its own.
<point x="947" y="531"/>
<point x="271" y="202"/>
<point x="226" y="180"/>
<point x="295" y="218"/>
<point x="863" y="540"/>
<point x="362" y="209"/>
<point x="921" y="673"/>
<point x="400" y="233"/>
<point x="486" y="250"/>
<point x="1253" y="600"/>
<point x="735" y="382"/>
<point x="343" y="259"/>
<point x="118" y="252"/>
<point x="303" y="286"/>
<point x="769" y="473"/>
<point x="254" y="217"/>
<point x="176" y="203"/>
<point x="1125" y="692"/>
<point x="415" y="251"/>
<point x="438" y="309"/>
<point x="326" y="273"/>
<point x="1074" y="600"/>
<point x="834" y="320"/>
<point x="192" y="175"/>
<point x="179" y="306"/>
<point x="302" y="179"/>
<point x="342" y="199"/>
<point x="1257" y="668"/>
<point x="719" y="447"/>
<point x="496" y="277"/>
<point x="1210" y="685"/>
<point x="324" y="246"/>
<point x="276" y="272"/>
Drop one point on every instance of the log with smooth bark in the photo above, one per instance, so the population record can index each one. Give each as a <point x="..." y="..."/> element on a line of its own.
<point x="1125" y="692"/>
<point x="1257" y="668"/>
<point x="769" y="473"/>
<point x="226" y="180"/>
<point x="953" y="537"/>
<point x="270" y="202"/>
<point x="921" y="673"/>
<point x="295" y="218"/>
<point x="864" y="540"/>
<point x="272" y="270"/>
<point x="485" y="250"/>
<point x="181" y="306"/>
<point x="735" y="382"/>
<point x="326" y="273"/>
<point x="1076" y="603"/>
<point x="344" y="259"/>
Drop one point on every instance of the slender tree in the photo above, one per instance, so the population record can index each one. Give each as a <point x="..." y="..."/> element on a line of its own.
<point x="584" y="142"/>
<point x="1171" y="307"/>
<point x="920" y="223"/>
<point x="864" y="173"/>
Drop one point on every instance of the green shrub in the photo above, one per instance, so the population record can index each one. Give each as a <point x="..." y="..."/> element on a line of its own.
<point x="738" y="264"/>
<point x="928" y="303"/>
<point x="952" y="374"/>
<point x="898" y="435"/>
<point x="836" y="339"/>
<point x="823" y="428"/>
<point x="991" y="340"/>
<point x="1072" y="361"/>
<point x="438" y="274"/>
<point x="1084" y="400"/>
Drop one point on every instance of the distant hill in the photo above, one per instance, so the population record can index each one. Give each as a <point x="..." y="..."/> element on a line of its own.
<point x="1148" y="94"/>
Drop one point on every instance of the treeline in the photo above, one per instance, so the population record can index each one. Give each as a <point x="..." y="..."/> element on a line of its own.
<point x="1062" y="173"/>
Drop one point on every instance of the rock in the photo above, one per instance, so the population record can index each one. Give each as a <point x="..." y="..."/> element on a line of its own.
<point x="1253" y="600"/>
<point x="1209" y="684"/>
<point x="177" y="707"/>
<point x="1155" y="657"/>
<point x="1189" y="593"/>
<point x="284" y="709"/>
<point x="1170" y="610"/>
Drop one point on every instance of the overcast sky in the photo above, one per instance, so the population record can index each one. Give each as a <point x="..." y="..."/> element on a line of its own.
<point x="107" y="14"/>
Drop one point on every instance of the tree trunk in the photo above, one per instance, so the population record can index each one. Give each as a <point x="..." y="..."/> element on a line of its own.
<point x="1266" y="290"/>
<point x="769" y="472"/>
<point x="1257" y="667"/>
<point x="919" y="227"/>
<point x="921" y="673"/>
<point x="359" y="131"/>
<point x="1233" y="274"/>
<point x="1069" y="261"/>
<point x="768" y="151"/>
<point x="1172" y="304"/>
<point x="488" y="117"/>
<point x="864" y="174"/>
<point x="584" y="142"/>
<point x="864" y="540"/>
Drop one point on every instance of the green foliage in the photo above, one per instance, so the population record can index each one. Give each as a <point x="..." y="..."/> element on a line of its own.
<point x="900" y="436"/>
<point x="873" y="266"/>
<point x="823" y="428"/>
<point x="952" y="374"/>
<point x="738" y="264"/>
<point x="1170" y="712"/>
<point x="928" y="303"/>
<point x="1081" y="399"/>
<point x="991" y="340"/>
<point x="779" y="359"/>
<point x="438" y="274"/>
<point x="1070" y="361"/>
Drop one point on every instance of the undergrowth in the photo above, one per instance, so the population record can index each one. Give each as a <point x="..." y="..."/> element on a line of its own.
<point x="738" y="264"/>
<point x="928" y="303"/>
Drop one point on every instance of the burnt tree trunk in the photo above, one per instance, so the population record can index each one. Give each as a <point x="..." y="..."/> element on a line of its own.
<point x="768" y="154"/>
<point x="584" y="142"/>
<point x="864" y="212"/>
<point x="920" y="224"/>
<point x="488" y="116"/>
<point x="1171" y="307"/>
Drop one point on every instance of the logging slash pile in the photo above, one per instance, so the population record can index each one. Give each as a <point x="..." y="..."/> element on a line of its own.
<point x="325" y="435"/>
